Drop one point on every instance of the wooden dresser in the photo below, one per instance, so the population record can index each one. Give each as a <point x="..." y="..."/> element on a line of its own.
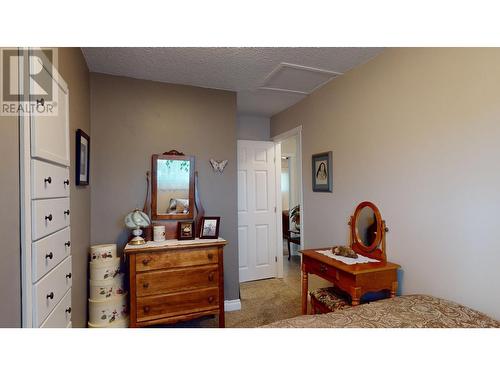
<point x="174" y="281"/>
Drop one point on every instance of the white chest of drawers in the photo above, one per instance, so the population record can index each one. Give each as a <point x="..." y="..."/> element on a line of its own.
<point x="45" y="207"/>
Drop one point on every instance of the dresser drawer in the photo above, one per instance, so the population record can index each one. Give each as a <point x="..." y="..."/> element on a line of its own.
<point x="60" y="317"/>
<point x="176" y="258"/>
<point x="49" y="180"/>
<point x="157" y="307"/>
<point x="176" y="280"/>
<point x="48" y="216"/>
<point x="49" y="252"/>
<point x="50" y="289"/>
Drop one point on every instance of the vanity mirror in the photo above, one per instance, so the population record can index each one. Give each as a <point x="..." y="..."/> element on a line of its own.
<point x="368" y="231"/>
<point x="172" y="187"/>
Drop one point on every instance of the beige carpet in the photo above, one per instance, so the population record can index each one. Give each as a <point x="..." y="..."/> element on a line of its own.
<point x="264" y="302"/>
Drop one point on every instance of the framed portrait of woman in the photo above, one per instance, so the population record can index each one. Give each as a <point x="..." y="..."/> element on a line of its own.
<point x="322" y="172"/>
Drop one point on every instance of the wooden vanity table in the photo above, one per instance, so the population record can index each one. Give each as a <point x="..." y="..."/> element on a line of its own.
<point x="174" y="281"/>
<point x="367" y="238"/>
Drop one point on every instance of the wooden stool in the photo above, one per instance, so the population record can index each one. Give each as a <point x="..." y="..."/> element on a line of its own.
<point x="325" y="300"/>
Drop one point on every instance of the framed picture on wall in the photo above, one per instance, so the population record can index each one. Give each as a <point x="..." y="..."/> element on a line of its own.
<point x="322" y="172"/>
<point x="82" y="158"/>
<point x="209" y="227"/>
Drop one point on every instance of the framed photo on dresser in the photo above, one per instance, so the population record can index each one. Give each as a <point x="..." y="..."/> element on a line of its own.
<point x="185" y="230"/>
<point x="210" y="227"/>
<point x="82" y="158"/>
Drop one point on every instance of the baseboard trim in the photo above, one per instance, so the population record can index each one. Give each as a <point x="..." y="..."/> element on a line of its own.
<point x="232" y="305"/>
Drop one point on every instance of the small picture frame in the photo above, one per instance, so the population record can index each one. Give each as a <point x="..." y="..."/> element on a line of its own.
<point x="322" y="172"/>
<point x="82" y="174"/>
<point x="209" y="227"/>
<point x="185" y="230"/>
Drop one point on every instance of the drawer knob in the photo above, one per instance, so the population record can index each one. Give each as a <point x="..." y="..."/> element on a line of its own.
<point x="211" y="276"/>
<point x="210" y="256"/>
<point x="50" y="295"/>
<point x="49" y="217"/>
<point x="48" y="180"/>
<point x="146" y="309"/>
<point x="66" y="182"/>
<point x="49" y="255"/>
<point x="145" y="285"/>
<point x="68" y="310"/>
<point x="67" y="244"/>
<point x="211" y="299"/>
<point x="40" y="102"/>
<point x="323" y="268"/>
<point x="68" y="275"/>
<point x="145" y="261"/>
<point x="66" y="212"/>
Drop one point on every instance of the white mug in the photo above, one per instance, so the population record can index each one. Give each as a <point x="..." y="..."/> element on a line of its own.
<point x="159" y="233"/>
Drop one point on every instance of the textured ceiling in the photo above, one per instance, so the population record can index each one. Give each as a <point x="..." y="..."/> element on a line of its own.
<point x="243" y="70"/>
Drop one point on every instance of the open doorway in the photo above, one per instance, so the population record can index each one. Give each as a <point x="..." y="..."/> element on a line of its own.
<point x="291" y="202"/>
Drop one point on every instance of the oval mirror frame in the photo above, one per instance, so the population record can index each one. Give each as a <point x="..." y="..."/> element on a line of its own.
<point x="357" y="243"/>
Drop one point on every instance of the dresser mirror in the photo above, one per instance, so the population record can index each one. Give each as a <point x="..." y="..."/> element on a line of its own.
<point x="172" y="186"/>
<point x="368" y="231"/>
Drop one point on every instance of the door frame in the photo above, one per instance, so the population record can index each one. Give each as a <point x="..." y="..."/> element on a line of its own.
<point x="277" y="139"/>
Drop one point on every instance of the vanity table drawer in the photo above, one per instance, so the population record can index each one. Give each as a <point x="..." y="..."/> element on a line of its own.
<point x="49" y="252"/>
<point x="330" y="273"/>
<point x="176" y="258"/>
<point x="48" y="216"/>
<point x="177" y="303"/>
<point x="49" y="180"/>
<point x="50" y="289"/>
<point x="175" y="280"/>
<point x="61" y="316"/>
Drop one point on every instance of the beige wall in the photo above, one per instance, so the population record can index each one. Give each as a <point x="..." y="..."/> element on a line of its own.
<point x="10" y="251"/>
<point x="73" y="68"/>
<point x="133" y="119"/>
<point x="416" y="131"/>
<point x="253" y="128"/>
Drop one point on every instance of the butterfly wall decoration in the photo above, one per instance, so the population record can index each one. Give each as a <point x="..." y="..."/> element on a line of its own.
<point x="218" y="165"/>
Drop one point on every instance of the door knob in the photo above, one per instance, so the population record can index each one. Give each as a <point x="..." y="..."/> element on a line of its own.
<point x="48" y="180"/>
<point x="49" y="217"/>
<point x="68" y="310"/>
<point x="49" y="255"/>
<point x="66" y="182"/>
<point x="67" y="244"/>
<point x="66" y="212"/>
<point x="50" y="295"/>
<point x="68" y="276"/>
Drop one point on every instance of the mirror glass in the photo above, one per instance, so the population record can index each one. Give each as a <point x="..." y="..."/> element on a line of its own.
<point x="366" y="226"/>
<point x="172" y="187"/>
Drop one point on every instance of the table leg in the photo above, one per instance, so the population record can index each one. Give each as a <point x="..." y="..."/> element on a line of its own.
<point x="355" y="295"/>
<point x="394" y="289"/>
<point x="304" y="290"/>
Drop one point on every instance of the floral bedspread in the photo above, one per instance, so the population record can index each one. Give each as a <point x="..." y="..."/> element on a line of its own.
<point x="412" y="311"/>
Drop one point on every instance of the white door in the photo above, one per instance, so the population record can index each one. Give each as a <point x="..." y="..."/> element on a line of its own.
<point x="256" y="210"/>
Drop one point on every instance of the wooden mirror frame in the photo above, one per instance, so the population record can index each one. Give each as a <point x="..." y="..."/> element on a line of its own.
<point x="377" y="249"/>
<point x="171" y="155"/>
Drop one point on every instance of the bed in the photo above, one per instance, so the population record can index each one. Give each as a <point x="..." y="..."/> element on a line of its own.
<point x="412" y="311"/>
